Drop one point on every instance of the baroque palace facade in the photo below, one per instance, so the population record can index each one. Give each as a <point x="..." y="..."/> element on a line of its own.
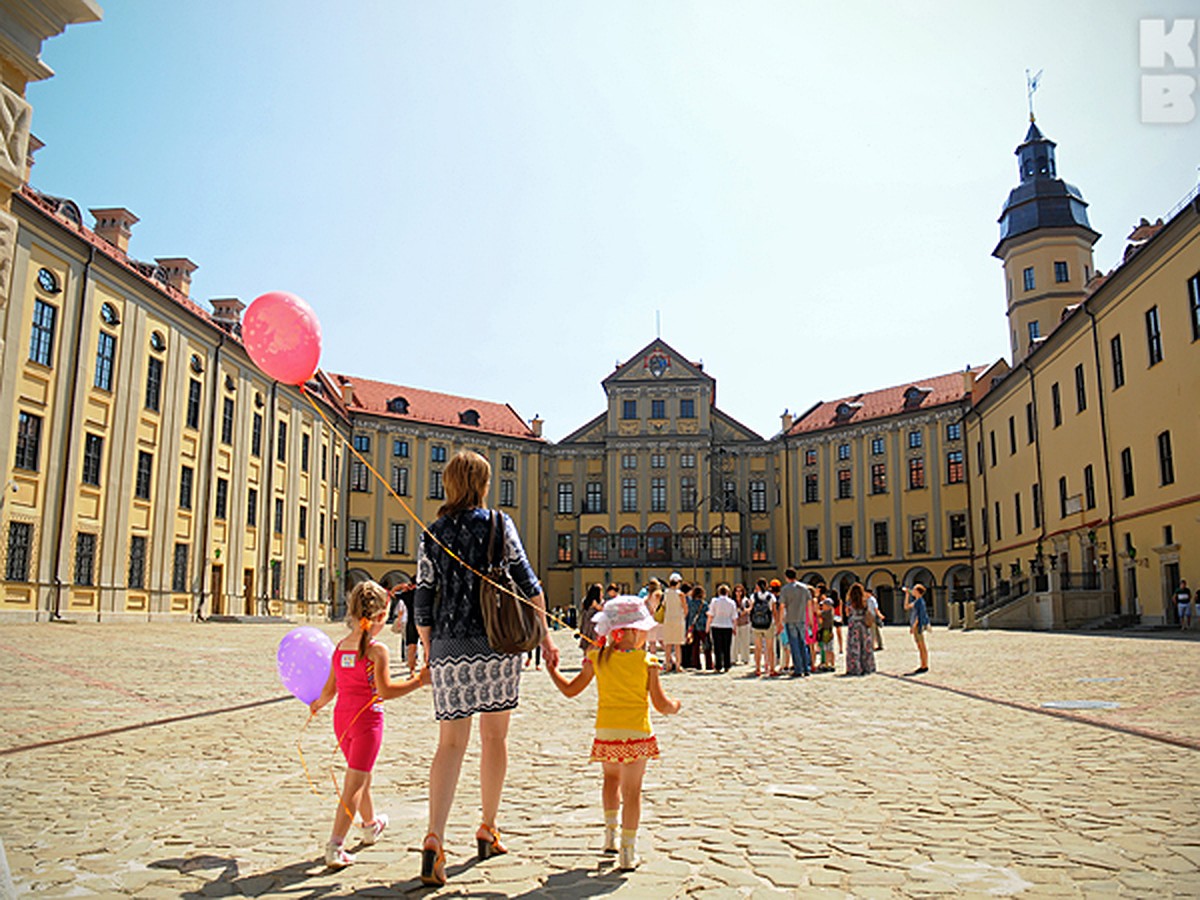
<point x="150" y="470"/>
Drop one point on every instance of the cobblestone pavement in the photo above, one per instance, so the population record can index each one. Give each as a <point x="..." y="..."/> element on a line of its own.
<point x="160" y="760"/>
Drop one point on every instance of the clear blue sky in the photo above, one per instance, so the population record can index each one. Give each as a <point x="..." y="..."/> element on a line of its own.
<point x="494" y="199"/>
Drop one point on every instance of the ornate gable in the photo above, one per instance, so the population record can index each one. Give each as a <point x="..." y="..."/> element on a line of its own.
<point x="657" y="362"/>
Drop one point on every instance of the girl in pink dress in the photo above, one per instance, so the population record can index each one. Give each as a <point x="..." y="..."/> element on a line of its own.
<point x="360" y="679"/>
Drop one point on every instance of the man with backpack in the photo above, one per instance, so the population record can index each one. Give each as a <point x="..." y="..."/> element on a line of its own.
<point x="762" y="627"/>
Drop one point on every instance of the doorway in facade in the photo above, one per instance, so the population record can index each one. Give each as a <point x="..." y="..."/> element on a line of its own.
<point x="217" y="589"/>
<point x="248" y="591"/>
<point x="1131" y="589"/>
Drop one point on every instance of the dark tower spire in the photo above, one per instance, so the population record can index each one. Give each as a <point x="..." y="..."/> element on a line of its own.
<point x="1045" y="244"/>
<point x="1042" y="199"/>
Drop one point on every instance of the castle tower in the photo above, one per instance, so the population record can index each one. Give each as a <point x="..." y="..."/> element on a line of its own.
<point x="1045" y="245"/>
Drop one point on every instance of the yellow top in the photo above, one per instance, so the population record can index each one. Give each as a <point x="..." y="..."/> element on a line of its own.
<point x="623" y="682"/>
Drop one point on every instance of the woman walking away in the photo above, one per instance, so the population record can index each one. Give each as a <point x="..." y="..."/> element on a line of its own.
<point x="468" y="676"/>
<point x="674" y="615"/>
<point x="860" y="642"/>
<point x="918" y="624"/>
<point x="627" y="681"/>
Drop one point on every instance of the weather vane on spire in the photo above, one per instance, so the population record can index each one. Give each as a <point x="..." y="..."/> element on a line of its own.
<point x="1031" y="85"/>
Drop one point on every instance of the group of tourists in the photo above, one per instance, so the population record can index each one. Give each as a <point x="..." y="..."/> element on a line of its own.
<point x="784" y="627"/>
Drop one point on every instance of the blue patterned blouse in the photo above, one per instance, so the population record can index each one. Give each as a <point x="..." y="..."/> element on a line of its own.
<point x="447" y="595"/>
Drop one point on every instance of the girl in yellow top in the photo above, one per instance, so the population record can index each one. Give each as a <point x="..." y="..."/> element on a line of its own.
<point x="627" y="681"/>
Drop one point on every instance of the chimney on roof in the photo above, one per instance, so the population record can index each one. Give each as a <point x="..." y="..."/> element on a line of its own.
<point x="535" y="425"/>
<point x="34" y="146"/>
<point x="786" y="421"/>
<point x="347" y="391"/>
<point x="227" y="312"/>
<point x="968" y="382"/>
<point x="114" y="225"/>
<point x="179" y="271"/>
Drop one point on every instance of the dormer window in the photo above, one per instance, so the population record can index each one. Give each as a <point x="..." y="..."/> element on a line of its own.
<point x="845" y="410"/>
<point x="398" y="405"/>
<point x="469" y="417"/>
<point x="914" y="395"/>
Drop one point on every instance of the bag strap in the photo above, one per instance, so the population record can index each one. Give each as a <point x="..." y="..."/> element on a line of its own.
<point x="494" y="558"/>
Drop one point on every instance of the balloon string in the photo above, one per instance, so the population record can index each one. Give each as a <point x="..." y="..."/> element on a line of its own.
<point x="425" y="528"/>
<point x="342" y="737"/>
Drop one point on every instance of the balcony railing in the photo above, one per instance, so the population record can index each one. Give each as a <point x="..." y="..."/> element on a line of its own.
<point x="707" y="553"/>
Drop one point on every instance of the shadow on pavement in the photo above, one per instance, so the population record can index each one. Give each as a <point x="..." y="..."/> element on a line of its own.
<point x="574" y="884"/>
<point x="287" y="878"/>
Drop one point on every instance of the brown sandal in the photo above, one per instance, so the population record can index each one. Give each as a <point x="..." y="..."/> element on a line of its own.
<point x="489" y="845"/>
<point x="433" y="862"/>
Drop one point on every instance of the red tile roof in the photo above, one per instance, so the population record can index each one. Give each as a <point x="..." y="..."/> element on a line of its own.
<point x="48" y="207"/>
<point x="433" y="408"/>
<point x="937" y="391"/>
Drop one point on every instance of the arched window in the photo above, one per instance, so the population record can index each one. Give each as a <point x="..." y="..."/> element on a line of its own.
<point x="689" y="542"/>
<point x="629" y="542"/>
<point x="658" y="542"/>
<point x="597" y="545"/>
<point x="468" y="417"/>
<point x="397" y="405"/>
<point x="722" y="543"/>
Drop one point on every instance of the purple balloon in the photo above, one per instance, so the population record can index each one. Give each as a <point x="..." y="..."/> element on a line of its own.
<point x="303" y="659"/>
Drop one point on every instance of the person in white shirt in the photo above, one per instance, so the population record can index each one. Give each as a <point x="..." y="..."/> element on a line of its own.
<point x="673" y="626"/>
<point x="722" y="616"/>
<point x="1183" y="605"/>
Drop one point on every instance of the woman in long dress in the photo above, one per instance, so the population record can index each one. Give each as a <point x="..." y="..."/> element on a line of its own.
<point x="468" y="676"/>
<point x="860" y="642"/>
<point x="741" y="632"/>
<point x="673" y="629"/>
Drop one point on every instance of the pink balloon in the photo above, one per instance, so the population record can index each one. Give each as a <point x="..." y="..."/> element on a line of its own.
<point x="303" y="662"/>
<point x="283" y="337"/>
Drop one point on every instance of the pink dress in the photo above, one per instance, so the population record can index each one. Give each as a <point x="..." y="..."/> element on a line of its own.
<point x="358" y="715"/>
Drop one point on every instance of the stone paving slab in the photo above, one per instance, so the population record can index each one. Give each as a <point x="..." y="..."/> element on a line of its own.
<point x="162" y="760"/>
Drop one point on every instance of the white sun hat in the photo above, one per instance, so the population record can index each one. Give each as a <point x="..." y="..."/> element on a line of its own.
<point x="623" y="612"/>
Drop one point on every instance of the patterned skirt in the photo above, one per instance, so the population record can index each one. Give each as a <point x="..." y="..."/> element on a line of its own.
<point x="622" y="745"/>
<point x="469" y="677"/>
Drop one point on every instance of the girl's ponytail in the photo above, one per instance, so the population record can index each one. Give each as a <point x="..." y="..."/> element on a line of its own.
<point x="364" y="626"/>
<point x="367" y="599"/>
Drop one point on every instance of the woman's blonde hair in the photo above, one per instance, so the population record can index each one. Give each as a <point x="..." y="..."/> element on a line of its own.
<point x="466" y="480"/>
<point x="367" y="600"/>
